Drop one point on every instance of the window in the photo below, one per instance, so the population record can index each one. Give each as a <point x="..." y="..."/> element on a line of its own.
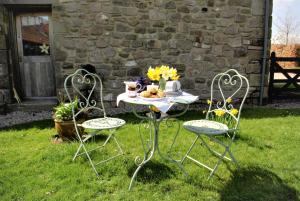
<point x="35" y="35"/>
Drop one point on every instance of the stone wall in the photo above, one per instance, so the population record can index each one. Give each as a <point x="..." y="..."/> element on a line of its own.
<point x="4" y="72"/>
<point x="122" y="38"/>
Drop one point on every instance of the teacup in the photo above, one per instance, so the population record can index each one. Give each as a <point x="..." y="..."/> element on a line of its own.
<point x="131" y="88"/>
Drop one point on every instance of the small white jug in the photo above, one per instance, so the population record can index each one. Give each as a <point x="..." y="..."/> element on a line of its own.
<point x="173" y="86"/>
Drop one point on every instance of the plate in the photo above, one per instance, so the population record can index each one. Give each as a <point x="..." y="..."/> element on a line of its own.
<point x="152" y="99"/>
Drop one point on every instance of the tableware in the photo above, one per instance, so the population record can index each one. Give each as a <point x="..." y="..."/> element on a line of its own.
<point x="173" y="94"/>
<point x="173" y="86"/>
<point x="131" y="88"/>
<point x="152" y="99"/>
<point x="152" y="87"/>
<point x="143" y="82"/>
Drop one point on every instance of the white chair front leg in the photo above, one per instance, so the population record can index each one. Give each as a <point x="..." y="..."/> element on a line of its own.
<point x="119" y="146"/>
<point x="78" y="150"/>
<point x="211" y="150"/>
<point x="221" y="155"/>
<point x="189" y="150"/>
<point x="80" y="146"/>
<point x="108" y="138"/>
<point x="233" y="158"/>
<point x="91" y="162"/>
<point x="218" y="163"/>
<point x="227" y="146"/>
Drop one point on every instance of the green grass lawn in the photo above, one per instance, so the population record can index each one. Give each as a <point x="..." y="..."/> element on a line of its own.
<point x="267" y="148"/>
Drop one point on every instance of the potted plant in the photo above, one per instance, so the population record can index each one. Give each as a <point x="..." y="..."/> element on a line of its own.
<point x="63" y="118"/>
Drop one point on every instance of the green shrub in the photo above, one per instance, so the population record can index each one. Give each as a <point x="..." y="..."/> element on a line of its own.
<point x="63" y="112"/>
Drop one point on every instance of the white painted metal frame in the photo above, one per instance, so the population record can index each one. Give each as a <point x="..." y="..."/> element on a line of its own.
<point x="230" y="78"/>
<point x="151" y="145"/>
<point x="78" y="79"/>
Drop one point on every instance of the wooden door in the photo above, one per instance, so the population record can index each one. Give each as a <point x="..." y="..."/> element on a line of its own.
<point x="34" y="49"/>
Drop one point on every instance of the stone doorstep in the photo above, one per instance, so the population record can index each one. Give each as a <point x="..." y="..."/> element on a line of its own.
<point x="32" y="105"/>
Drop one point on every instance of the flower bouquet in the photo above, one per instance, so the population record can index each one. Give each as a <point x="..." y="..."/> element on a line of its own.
<point x="162" y="74"/>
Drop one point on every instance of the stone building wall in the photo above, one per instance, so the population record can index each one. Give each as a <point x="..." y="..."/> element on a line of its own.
<point x="4" y="72"/>
<point x="122" y="38"/>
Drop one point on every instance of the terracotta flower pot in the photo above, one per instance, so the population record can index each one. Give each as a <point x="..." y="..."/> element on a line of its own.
<point x="66" y="129"/>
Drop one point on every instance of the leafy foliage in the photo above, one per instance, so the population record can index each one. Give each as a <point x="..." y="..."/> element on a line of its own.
<point x="63" y="112"/>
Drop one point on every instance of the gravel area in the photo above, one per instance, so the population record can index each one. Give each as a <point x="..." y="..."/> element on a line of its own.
<point x="284" y="105"/>
<point x="19" y="117"/>
<point x="14" y="118"/>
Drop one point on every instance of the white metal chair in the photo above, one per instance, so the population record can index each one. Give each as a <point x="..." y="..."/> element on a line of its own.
<point x="74" y="83"/>
<point x="221" y="118"/>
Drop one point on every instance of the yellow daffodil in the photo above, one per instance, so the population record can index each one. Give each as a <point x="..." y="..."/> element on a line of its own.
<point x="234" y="111"/>
<point x="173" y="74"/>
<point x="150" y="73"/>
<point x="219" y="112"/>
<point x="153" y="74"/>
<point x="157" y="74"/>
<point x="154" y="109"/>
<point x="229" y="100"/>
<point x="209" y="102"/>
<point x="164" y="71"/>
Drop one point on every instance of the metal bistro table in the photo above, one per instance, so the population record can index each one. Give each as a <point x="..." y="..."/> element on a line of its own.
<point x="153" y="124"/>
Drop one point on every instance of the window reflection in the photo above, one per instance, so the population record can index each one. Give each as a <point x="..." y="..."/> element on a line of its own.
<point x="35" y="35"/>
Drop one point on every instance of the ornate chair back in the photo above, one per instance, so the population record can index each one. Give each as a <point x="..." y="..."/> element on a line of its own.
<point x="228" y="88"/>
<point x="84" y="86"/>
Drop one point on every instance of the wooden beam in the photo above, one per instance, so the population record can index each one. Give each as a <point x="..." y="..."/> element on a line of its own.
<point x="288" y="59"/>
<point x="29" y="2"/>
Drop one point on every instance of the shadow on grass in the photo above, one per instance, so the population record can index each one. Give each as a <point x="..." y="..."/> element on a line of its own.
<point x="43" y="124"/>
<point x="252" y="142"/>
<point x="255" y="183"/>
<point x="151" y="172"/>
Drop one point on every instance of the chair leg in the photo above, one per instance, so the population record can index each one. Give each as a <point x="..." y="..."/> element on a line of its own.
<point x="233" y="159"/>
<point x="91" y="162"/>
<point x="108" y="138"/>
<point x="86" y="152"/>
<point x="218" y="163"/>
<point x="189" y="150"/>
<point x="78" y="150"/>
<point x="221" y="155"/>
<point x="217" y="154"/>
<point x="112" y="135"/>
<point x="80" y="146"/>
<point x="120" y="148"/>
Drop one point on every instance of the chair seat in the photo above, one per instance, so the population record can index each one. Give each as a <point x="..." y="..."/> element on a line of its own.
<point x="206" y="127"/>
<point x="103" y="123"/>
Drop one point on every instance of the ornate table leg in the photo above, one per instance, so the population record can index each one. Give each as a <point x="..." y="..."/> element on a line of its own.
<point x="169" y="123"/>
<point x="151" y="149"/>
<point x="167" y="157"/>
